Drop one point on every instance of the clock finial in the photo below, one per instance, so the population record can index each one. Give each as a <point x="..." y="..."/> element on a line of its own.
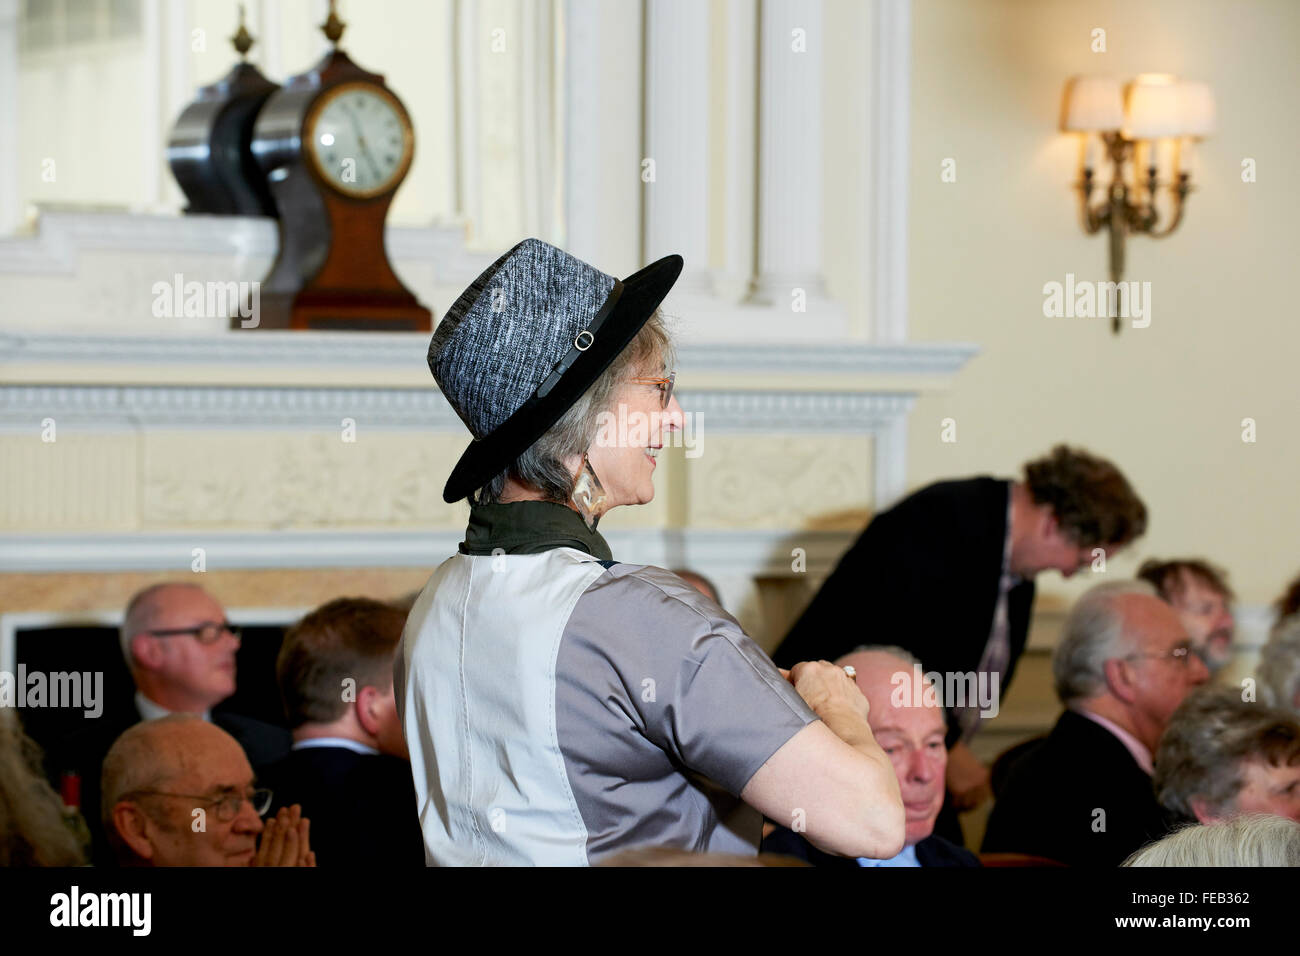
<point x="333" y="26"/>
<point x="243" y="40"/>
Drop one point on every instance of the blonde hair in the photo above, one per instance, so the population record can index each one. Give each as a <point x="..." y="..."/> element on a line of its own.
<point x="34" y="828"/>
<point x="1251" y="839"/>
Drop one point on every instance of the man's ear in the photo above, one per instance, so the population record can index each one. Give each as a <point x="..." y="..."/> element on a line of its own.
<point x="1201" y="810"/>
<point x="133" y="828"/>
<point x="1119" y="679"/>
<point x="147" y="651"/>
<point x="367" y="709"/>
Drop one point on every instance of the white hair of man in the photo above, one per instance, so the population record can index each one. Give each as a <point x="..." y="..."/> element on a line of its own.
<point x="1093" y="634"/>
<point x="907" y="657"/>
<point x="1278" y="671"/>
<point x="1251" y="839"/>
<point x="141" y="611"/>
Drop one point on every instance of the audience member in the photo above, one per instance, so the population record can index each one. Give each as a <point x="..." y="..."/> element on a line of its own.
<point x="951" y="570"/>
<point x="178" y="791"/>
<point x="180" y="651"/>
<point x="910" y="728"/>
<point x="1278" y="671"/>
<point x="1287" y="604"/>
<point x="1221" y="756"/>
<point x="1199" y="592"/>
<point x="1084" y="795"/>
<point x="35" y="828"/>
<point x="1245" y="840"/>
<point x="349" y="767"/>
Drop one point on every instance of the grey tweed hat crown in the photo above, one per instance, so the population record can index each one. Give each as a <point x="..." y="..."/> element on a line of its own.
<point x="523" y="343"/>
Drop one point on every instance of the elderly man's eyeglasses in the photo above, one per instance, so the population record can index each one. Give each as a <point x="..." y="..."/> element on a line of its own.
<point x="227" y="805"/>
<point x="665" y="387"/>
<point x="205" y="633"/>
<point x="1179" y="655"/>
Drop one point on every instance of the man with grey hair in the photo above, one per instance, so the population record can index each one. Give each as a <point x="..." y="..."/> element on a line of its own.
<point x="1278" y="670"/>
<point x="1222" y="756"/>
<point x="907" y="717"/>
<point x="1084" y="796"/>
<point x="180" y="650"/>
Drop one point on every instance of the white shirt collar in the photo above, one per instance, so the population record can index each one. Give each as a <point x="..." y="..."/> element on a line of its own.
<point x="354" y="745"/>
<point x="151" y="711"/>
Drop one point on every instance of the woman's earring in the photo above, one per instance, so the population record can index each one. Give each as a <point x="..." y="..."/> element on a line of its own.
<point x="588" y="495"/>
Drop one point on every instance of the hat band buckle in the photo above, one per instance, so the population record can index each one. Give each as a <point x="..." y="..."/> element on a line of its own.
<point x="577" y="349"/>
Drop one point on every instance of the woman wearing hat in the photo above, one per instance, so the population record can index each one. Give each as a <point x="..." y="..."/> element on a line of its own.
<point x="559" y="705"/>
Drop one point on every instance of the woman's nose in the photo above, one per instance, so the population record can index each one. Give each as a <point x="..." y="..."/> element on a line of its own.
<point x="674" y="416"/>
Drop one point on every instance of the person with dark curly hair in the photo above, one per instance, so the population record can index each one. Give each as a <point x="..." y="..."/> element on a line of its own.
<point x="948" y="574"/>
<point x="1199" y="592"/>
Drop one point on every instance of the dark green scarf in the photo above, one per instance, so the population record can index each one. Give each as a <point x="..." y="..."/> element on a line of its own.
<point x="530" y="527"/>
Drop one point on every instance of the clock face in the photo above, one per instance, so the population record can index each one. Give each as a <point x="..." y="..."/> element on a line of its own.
<point x="359" y="139"/>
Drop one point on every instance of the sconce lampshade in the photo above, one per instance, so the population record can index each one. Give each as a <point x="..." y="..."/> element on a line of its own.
<point x="1196" y="108"/>
<point x="1094" y="104"/>
<point x="1154" y="107"/>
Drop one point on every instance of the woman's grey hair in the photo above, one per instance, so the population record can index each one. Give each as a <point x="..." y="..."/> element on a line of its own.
<point x="1209" y="739"/>
<point x="1278" y="671"/>
<point x="542" y="465"/>
<point x="1093" y="634"/>
<point x="1252" y="839"/>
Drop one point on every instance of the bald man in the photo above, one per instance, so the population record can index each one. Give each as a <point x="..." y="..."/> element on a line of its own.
<point x="180" y="650"/>
<point x="909" y="724"/>
<point x="178" y="791"/>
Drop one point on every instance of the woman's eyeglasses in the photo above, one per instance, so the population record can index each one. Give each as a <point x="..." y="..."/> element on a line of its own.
<point x="665" y="387"/>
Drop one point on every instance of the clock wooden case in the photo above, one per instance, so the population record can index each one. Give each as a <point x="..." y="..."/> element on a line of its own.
<point x="335" y="144"/>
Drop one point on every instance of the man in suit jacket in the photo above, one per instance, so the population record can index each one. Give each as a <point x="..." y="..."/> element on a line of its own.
<point x="180" y="650"/>
<point x="1084" y="796"/>
<point x="349" y="767"/>
<point x="908" y="724"/>
<point x="948" y="573"/>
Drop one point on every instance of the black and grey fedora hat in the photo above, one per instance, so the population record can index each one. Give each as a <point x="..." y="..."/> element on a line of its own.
<point x="526" y="340"/>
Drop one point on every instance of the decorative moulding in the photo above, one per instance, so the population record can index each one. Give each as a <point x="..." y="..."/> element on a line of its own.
<point x="742" y="553"/>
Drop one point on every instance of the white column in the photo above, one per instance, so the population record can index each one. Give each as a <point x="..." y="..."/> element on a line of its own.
<point x="736" y="279"/>
<point x="10" y="213"/>
<point x="885" y="158"/>
<point x="602" y="126"/>
<point x="468" y="45"/>
<point x="791" y="62"/>
<point x="889" y="459"/>
<point x="677" y="137"/>
<point x="269" y="51"/>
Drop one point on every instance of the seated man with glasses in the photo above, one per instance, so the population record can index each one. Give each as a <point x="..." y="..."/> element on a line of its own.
<point x="178" y="791"/>
<point x="180" y="650"/>
<point x="1084" y="795"/>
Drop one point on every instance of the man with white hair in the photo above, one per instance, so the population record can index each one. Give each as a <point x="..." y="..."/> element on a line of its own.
<point x="907" y="719"/>
<point x="1084" y="795"/>
<point x="179" y="791"/>
<point x="180" y="650"/>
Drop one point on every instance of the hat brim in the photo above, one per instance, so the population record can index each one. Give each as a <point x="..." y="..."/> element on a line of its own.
<point x="487" y="457"/>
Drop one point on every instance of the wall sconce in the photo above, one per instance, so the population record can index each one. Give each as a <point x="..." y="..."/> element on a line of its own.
<point x="1156" y="128"/>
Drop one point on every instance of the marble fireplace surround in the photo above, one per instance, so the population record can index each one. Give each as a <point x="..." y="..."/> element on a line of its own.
<point x="173" y="435"/>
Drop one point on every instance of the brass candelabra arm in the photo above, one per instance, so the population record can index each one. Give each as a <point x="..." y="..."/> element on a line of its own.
<point x="1178" y="191"/>
<point x="1093" y="218"/>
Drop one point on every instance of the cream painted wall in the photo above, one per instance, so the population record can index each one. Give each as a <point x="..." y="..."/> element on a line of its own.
<point x="1165" y="402"/>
